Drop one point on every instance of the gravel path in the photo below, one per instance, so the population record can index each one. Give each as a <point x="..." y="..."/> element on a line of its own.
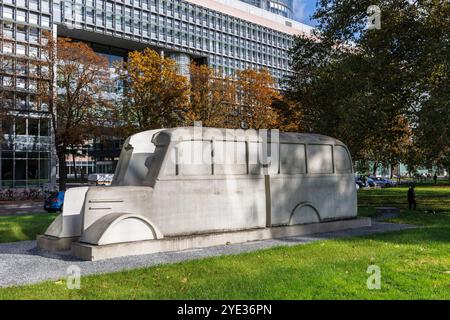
<point x="22" y="263"/>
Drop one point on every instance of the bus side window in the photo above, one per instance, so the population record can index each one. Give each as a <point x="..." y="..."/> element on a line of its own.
<point x="342" y="160"/>
<point x="320" y="158"/>
<point x="230" y="157"/>
<point x="262" y="157"/>
<point x="254" y="163"/>
<point x="194" y="158"/>
<point x="292" y="157"/>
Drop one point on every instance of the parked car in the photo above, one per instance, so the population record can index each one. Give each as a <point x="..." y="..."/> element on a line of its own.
<point x="360" y="183"/>
<point x="100" y="179"/>
<point x="385" y="182"/>
<point x="371" y="182"/>
<point x="54" y="202"/>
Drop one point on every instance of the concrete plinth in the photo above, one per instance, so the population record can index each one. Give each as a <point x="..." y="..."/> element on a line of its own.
<point x="54" y="244"/>
<point x="99" y="252"/>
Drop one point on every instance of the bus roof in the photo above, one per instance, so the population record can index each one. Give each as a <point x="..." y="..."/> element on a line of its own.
<point x="164" y="136"/>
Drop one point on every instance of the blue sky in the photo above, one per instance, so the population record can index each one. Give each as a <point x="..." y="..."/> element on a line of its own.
<point x="303" y="9"/>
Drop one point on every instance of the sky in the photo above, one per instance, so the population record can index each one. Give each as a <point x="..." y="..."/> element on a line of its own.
<point x="303" y="9"/>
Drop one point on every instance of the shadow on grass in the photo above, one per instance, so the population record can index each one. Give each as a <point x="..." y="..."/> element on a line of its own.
<point x="432" y="228"/>
<point x="26" y="227"/>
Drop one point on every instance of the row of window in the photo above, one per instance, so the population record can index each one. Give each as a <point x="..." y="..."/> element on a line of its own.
<point x="20" y="49"/>
<point x="199" y="158"/>
<point x="120" y="17"/>
<point x="229" y="52"/>
<point x="26" y="126"/>
<point x="279" y="9"/>
<point x="21" y="168"/>
<point x="22" y="101"/>
<point x="36" y="5"/>
<point x="18" y="83"/>
<point x="24" y="172"/>
<point x="21" y="33"/>
<point x="269" y="50"/>
<point x="88" y="9"/>
<point x="18" y="155"/>
<point x="25" y="143"/>
<point x="22" y="67"/>
<point x="226" y="45"/>
<point x="26" y="16"/>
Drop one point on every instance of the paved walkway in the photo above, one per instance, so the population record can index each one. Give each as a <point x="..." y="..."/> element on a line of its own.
<point x="10" y="208"/>
<point x="22" y="263"/>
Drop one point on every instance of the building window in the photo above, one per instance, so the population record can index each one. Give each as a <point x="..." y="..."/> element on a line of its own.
<point x="8" y="13"/>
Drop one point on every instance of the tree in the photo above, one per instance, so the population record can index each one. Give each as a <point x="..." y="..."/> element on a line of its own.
<point x="289" y="114"/>
<point x="255" y="94"/>
<point x="249" y="98"/>
<point x="74" y="84"/>
<point x="433" y="67"/>
<point x="155" y="95"/>
<point x="368" y="86"/>
<point x="212" y="97"/>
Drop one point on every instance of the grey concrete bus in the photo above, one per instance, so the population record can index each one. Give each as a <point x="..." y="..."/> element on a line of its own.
<point x="180" y="182"/>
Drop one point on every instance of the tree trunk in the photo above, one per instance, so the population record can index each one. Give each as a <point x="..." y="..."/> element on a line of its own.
<point x="74" y="164"/>
<point x="392" y="171"/>
<point x="82" y="174"/>
<point x="375" y="167"/>
<point x="62" y="168"/>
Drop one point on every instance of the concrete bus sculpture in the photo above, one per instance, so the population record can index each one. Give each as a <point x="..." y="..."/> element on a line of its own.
<point x="179" y="188"/>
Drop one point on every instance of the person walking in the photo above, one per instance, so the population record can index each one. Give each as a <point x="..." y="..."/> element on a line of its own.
<point x="411" y="198"/>
<point x="435" y="178"/>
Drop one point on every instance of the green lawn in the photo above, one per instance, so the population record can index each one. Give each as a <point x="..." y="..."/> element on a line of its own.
<point x="26" y="227"/>
<point x="415" y="264"/>
<point x="429" y="198"/>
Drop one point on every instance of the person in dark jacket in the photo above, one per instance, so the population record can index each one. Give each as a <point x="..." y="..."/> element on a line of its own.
<point x="411" y="198"/>
<point x="435" y="178"/>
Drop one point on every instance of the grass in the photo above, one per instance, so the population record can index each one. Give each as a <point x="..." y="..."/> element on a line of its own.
<point x="415" y="264"/>
<point x="24" y="227"/>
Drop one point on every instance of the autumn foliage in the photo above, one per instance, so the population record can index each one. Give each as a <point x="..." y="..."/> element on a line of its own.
<point x="155" y="94"/>
<point x="78" y="103"/>
<point x="255" y="95"/>
<point x="212" y="97"/>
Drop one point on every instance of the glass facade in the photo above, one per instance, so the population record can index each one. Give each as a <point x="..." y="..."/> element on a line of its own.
<point x="183" y="30"/>
<point x="226" y="42"/>
<point x="280" y="7"/>
<point x="25" y="150"/>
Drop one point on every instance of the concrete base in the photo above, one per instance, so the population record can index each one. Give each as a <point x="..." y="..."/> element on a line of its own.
<point x="92" y="252"/>
<point x="53" y="244"/>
